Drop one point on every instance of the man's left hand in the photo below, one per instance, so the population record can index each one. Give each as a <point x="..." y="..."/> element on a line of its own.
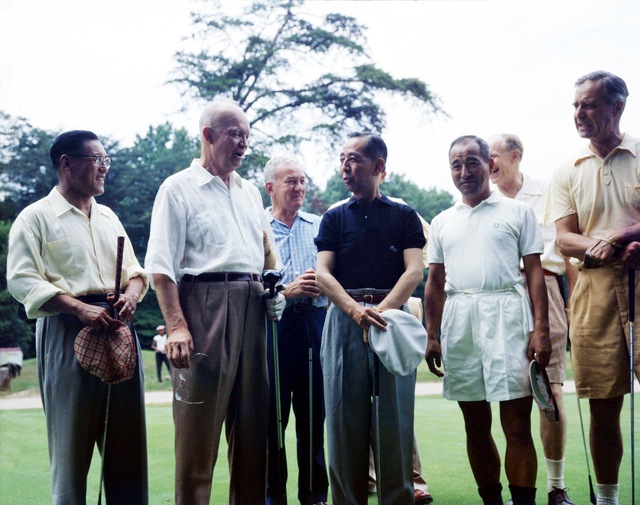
<point x="276" y="306"/>
<point x="126" y="307"/>
<point x="540" y="348"/>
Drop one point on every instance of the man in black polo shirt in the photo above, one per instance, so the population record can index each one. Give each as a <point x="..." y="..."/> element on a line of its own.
<point x="369" y="260"/>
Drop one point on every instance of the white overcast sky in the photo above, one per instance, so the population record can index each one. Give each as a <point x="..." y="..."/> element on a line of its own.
<point x="498" y="66"/>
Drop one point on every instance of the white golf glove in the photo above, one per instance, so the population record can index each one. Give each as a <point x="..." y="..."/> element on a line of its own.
<point x="276" y="306"/>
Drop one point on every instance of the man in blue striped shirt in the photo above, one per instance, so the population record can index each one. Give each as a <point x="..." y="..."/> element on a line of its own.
<point x="299" y="330"/>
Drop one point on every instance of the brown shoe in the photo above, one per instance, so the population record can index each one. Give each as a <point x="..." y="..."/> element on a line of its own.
<point x="421" y="498"/>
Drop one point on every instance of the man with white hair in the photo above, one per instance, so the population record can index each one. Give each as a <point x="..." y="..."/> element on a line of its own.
<point x="299" y="336"/>
<point x="206" y="253"/>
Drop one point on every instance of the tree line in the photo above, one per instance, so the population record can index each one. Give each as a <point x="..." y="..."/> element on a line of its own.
<point x="273" y="59"/>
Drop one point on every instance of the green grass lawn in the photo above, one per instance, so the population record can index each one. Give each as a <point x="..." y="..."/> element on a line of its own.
<point x="24" y="464"/>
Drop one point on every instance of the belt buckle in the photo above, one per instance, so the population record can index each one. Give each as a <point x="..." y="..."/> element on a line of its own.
<point x="367" y="298"/>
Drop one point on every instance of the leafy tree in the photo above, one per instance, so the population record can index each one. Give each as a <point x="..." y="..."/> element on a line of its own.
<point x="138" y="171"/>
<point x="428" y="203"/>
<point x="300" y="78"/>
<point x="14" y="330"/>
<point x="25" y="167"/>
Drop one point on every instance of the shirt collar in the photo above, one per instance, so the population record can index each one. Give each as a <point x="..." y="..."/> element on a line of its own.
<point x="383" y="199"/>
<point x="202" y="176"/>
<point x="529" y="187"/>
<point x="628" y="143"/>
<point x="304" y="216"/>
<point x="493" y="198"/>
<point x="61" y="205"/>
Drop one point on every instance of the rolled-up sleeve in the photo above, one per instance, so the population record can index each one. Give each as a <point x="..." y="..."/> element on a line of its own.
<point x="26" y="278"/>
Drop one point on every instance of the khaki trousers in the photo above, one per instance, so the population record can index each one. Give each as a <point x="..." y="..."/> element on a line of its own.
<point x="227" y="323"/>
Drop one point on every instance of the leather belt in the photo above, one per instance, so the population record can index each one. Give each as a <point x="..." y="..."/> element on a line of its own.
<point x="375" y="298"/>
<point x="221" y="277"/>
<point x="93" y="298"/>
<point x="303" y="308"/>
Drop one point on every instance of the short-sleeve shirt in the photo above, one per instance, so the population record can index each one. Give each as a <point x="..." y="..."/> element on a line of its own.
<point x="603" y="193"/>
<point x="534" y="193"/>
<point x="369" y="241"/>
<point x="481" y="246"/>
<point x="296" y="246"/>
<point x="200" y="225"/>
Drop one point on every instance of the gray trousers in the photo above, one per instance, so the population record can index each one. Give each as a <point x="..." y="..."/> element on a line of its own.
<point x="74" y="405"/>
<point x="230" y="385"/>
<point x="348" y="366"/>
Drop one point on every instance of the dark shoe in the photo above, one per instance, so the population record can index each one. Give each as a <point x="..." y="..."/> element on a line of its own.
<point x="421" y="498"/>
<point x="559" y="497"/>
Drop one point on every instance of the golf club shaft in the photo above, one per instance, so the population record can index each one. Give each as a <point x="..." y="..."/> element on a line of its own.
<point x="376" y="395"/>
<point x="276" y="374"/>
<point x="310" y="347"/>
<point x="632" y="314"/>
<point x="119" y="254"/>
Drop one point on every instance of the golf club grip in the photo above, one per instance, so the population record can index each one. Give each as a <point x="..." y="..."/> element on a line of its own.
<point x="119" y="253"/>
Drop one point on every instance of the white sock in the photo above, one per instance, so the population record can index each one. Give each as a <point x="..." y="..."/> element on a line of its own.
<point x="607" y="494"/>
<point x="555" y="474"/>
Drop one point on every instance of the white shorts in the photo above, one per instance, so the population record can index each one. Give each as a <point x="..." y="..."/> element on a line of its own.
<point x="484" y="343"/>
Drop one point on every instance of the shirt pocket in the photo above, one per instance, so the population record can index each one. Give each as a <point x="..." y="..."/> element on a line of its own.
<point x="66" y="255"/>
<point x="212" y="227"/>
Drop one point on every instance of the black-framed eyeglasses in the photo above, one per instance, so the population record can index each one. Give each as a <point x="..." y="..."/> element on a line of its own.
<point x="97" y="159"/>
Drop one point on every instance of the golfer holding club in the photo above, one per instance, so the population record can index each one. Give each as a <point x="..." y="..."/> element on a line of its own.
<point x="206" y="253"/>
<point x="475" y="298"/>
<point x="596" y="208"/>
<point x="369" y="260"/>
<point x="299" y="335"/>
<point x="61" y="265"/>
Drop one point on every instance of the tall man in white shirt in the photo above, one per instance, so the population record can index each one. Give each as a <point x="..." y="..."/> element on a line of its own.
<point x="506" y="152"/>
<point x="206" y="253"/>
<point x="61" y="265"/>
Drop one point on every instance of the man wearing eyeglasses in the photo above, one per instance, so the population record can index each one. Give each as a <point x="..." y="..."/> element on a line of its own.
<point x="61" y="265"/>
<point x="206" y="253"/>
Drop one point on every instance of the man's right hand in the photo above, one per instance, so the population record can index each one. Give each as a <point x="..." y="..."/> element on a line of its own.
<point x="93" y="315"/>
<point x="303" y="286"/>
<point x="366" y="317"/>
<point x="433" y="357"/>
<point x="179" y="347"/>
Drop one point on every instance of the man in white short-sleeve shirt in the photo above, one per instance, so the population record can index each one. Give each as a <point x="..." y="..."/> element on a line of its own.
<point x="475" y="298"/>
<point x="206" y="253"/>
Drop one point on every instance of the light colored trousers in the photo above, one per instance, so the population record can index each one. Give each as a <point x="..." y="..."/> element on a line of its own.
<point x="348" y="366"/>
<point x="74" y="405"/>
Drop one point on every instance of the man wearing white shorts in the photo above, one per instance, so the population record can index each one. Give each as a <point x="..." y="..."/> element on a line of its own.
<point x="475" y="298"/>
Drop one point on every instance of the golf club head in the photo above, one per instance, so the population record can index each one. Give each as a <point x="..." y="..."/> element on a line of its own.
<point x="270" y="279"/>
